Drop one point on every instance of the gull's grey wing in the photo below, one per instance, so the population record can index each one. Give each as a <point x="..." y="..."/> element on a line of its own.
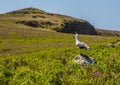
<point x="82" y="45"/>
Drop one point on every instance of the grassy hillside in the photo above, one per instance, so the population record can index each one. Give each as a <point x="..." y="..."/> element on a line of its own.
<point x="39" y="19"/>
<point x="35" y="56"/>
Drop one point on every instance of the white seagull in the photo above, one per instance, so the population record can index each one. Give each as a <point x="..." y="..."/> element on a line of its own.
<point x="81" y="44"/>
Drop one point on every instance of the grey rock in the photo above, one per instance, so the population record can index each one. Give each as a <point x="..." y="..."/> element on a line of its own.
<point x="110" y="45"/>
<point x="113" y="45"/>
<point x="82" y="59"/>
<point x="117" y="44"/>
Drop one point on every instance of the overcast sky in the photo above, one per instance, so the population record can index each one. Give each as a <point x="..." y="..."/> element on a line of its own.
<point x="103" y="14"/>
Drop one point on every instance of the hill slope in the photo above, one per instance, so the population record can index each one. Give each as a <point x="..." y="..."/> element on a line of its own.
<point x="39" y="19"/>
<point x="36" y="18"/>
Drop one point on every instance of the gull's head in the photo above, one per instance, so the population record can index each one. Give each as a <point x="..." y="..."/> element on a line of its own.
<point x="76" y="34"/>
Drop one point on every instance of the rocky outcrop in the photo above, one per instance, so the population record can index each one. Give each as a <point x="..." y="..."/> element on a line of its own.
<point x="65" y="27"/>
<point x="34" y="23"/>
<point x="79" y="27"/>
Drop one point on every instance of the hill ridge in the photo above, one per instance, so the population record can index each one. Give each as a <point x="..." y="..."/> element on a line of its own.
<point x="27" y="11"/>
<point x="57" y="22"/>
<point x="36" y="18"/>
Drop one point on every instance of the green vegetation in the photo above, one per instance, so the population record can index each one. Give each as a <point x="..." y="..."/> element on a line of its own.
<point x="35" y="56"/>
<point x="44" y="57"/>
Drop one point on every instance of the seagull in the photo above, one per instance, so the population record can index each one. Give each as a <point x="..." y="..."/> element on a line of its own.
<point x="79" y="44"/>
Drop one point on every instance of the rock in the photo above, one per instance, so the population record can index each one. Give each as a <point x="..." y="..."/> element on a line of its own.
<point x="110" y="45"/>
<point x="117" y="44"/>
<point x="113" y="45"/>
<point x="35" y="23"/>
<point x="82" y="59"/>
<point x="79" y="27"/>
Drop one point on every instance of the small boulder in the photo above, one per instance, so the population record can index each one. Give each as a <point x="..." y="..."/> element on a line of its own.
<point x="82" y="59"/>
<point x="117" y="44"/>
<point x="110" y="45"/>
<point x="113" y="45"/>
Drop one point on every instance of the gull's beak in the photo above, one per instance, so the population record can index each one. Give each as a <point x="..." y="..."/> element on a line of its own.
<point x="76" y="33"/>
